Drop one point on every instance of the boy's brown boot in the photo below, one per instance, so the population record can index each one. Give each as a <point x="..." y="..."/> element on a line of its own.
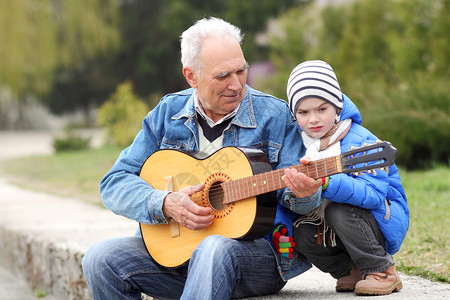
<point x="347" y="283"/>
<point x="382" y="283"/>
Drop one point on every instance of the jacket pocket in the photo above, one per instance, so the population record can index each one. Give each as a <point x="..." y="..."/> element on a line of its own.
<point x="173" y="144"/>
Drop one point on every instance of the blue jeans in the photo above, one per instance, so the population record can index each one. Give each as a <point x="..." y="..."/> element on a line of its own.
<point x="219" y="268"/>
<point x="358" y="237"/>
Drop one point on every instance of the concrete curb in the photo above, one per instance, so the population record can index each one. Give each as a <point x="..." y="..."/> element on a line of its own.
<point x="43" y="238"/>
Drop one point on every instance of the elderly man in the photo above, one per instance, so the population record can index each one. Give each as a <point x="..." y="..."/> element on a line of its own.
<point x="218" y="110"/>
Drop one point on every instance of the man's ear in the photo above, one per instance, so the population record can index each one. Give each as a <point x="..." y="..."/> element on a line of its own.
<point x="191" y="77"/>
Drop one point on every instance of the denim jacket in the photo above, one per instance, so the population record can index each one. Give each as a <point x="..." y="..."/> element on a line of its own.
<point x="262" y="121"/>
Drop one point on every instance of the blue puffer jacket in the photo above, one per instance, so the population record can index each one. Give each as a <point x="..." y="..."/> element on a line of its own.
<point x="382" y="193"/>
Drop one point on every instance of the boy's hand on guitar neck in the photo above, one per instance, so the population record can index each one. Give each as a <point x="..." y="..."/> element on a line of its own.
<point x="300" y="184"/>
<point x="180" y="207"/>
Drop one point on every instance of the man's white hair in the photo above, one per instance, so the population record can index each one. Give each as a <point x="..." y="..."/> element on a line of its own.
<point x="193" y="37"/>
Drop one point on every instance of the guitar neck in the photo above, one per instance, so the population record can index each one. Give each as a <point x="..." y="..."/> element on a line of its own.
<point x="252" y="186"/>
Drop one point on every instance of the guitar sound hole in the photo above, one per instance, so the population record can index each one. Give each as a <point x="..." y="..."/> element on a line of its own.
<point x="216" y="196"/>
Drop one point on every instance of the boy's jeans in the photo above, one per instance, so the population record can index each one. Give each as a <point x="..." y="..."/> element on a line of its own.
<point x="358" y="237"/>
<point x="219" y="268"/>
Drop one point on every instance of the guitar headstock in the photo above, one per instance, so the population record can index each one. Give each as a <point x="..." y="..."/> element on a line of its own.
<point x="367" y="158"/>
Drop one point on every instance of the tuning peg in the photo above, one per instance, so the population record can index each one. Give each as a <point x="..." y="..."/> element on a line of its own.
<point x="384" y="169"/>
<point x="373" y="172"/>
<point x="356" y="173"/>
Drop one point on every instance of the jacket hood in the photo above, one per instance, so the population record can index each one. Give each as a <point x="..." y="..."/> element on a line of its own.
<point x="349" y="110"/>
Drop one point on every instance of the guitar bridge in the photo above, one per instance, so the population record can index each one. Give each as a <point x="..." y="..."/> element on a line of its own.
<point x="173" y="225"/>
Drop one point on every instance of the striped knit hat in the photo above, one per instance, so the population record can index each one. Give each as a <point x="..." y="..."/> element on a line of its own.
<point x="313" y="78"/>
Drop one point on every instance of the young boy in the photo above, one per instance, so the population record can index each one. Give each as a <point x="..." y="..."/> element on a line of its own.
<point x="362" y="220"/>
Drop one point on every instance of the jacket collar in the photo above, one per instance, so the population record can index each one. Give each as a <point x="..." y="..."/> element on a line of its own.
<point x="244" y="117"/>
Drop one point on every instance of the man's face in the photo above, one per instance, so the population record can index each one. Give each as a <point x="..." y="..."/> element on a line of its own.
<point x="221" y="82"/>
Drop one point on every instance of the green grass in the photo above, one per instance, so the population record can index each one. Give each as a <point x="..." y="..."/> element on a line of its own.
<point x="73" y="174"/>
<point x="425" y="251"/>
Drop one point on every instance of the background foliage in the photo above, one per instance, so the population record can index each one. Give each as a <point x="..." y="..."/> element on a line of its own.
<point x="40" y="37"/>
<point x="73" y="53"/>
<point x="391" y="58"/>
<point x="122" y="114"/>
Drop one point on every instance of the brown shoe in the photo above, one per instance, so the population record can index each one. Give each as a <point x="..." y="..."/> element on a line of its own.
<point x="382" y="283"/>
<point x="347" y="283"/>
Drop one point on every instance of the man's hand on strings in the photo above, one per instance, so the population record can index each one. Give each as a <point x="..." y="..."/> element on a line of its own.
<point x="180" y="207"/>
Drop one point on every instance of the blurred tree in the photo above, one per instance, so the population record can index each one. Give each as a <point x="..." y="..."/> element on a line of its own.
<point x="73" y="53"/>
<point x="150" y="51"/>
<point x="391" y="58"/>
<point x="122" y="115"/>
<point x="40" y="36"/>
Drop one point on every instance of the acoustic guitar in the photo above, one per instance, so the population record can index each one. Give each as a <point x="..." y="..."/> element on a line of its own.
<point x="240" y="186"/>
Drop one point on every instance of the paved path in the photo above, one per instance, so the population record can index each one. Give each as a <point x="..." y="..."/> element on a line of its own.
<point x="49" y="217"/>
<point x="14" y="288"/>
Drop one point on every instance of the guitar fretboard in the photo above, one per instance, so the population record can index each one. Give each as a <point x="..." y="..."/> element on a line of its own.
<point x="252" y="186"/>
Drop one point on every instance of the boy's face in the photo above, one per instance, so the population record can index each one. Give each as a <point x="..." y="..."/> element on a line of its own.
<point x="315" y="116"/>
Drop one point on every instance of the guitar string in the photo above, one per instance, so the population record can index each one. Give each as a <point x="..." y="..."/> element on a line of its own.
<point x="254" y="179"/>
<point x="245" y="192"/>
<point x="317" y="168"/>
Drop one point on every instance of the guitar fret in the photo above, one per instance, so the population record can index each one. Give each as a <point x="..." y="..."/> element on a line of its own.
<point x="265" y="183"/>
<point x="257" y="185"/>
<point x="231" y="190"/>
<point x="247" y="187"/>
<point x="260" y="184"/>
<point x="235" y="195"/>
<point x="324" y="169"/>
<point x="238" y="188"/>
<point x="228" y="187"/>
<point x="244" y="187"/>
<point x="279" y="179"/>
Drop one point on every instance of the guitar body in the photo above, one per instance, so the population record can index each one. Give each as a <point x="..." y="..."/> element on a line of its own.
<point x="171" y="244"/>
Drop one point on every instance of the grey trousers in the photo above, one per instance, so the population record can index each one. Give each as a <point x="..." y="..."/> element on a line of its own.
<point x="358" y="237"/>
